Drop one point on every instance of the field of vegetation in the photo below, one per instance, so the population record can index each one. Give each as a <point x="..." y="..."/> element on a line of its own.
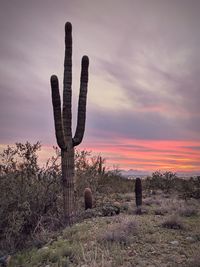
<point x="111" y="234"/>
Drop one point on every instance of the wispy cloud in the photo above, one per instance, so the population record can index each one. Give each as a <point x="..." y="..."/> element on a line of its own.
<point x="143" y="84"/>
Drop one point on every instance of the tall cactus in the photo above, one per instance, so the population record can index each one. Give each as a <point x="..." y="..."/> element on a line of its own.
<point x="63" y="122"/>
<point x="138" y="195"/>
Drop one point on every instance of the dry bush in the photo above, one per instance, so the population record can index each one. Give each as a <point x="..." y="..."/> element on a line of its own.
<point x="168" y="182"/>
<point x="194" y="262"/>
<point x="161" y="181"/>
<point x="87" y="171"/>
<point x="110" y="209"/>
<point x="190" y="188"/>
<point x="30" y="195"/>
<point x="150" y="201"/>
<point x="121" y="232"/>
<point x="188" y="211"/>
<point x="91" y="172"/>
<point x="173" y="222"/>
<point x="160" y="211"/>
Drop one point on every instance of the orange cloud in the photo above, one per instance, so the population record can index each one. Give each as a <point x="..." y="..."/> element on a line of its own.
<point x="145" y="155"/>
<point x="150" y="155"/>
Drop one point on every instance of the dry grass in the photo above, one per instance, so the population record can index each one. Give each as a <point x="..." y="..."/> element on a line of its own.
<point x="160" y="211"/>
<point x="125" y="240"/>
<point x="194" y="262"/>
<point x="188" y="211"/>
<point x="120" y="232"/>
<point x="173" y="222"/>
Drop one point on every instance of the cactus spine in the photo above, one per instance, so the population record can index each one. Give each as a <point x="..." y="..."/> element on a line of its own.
<point x="138" y="195"/>
<point x="63" y="122"/>
<point x="88" y="198"/>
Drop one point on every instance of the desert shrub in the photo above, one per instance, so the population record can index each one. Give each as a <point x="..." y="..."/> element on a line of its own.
<point x="148" y="201"/>
<point x="124" y="207"/>
<point x="57" y="254"/>
<point x="164" y="181"/>
<point x="190" y="188"/>
<point x="188" y="211"/>
<point x="168" y="181"/>
<point x="91" y="172"/>
<point x="160" y="211"/>
<point x="156" y="181"/>
<point x="30" y="195"/>
<point x="88" y="169"/>
<point x="151" y="201"/>
<point x="110" y="209"/>
<point x="193" y="262"/>
<point x="173" y="222"/>
<point x="113" y="182"/>
<point x="121" y="232"/>
<point x="89" y="213"/>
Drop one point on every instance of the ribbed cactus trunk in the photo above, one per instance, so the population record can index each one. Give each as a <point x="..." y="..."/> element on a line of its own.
<point x="63" y="122"/>
<point x="101" y="169"/>
<point x="138" y="195"/>
<point x="67" y="162"/>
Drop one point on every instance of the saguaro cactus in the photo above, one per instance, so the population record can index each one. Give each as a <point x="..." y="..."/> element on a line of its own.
<point x="101" y="169"/>
<point x="63" y="122"/>
<point x="138" y="195"/>
<point x="88" y="198"/>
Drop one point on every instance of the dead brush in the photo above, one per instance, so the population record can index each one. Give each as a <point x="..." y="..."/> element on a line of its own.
<point x="194" y="262"/>
<point x="121" y="232"/>
<point x="150" y="201"/>
<point x="188" y="211"/>
<point x="173" y="222"/>
<point x="160" y="211"/>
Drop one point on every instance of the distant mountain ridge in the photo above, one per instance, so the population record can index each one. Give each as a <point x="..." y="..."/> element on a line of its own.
<point x="133" y="172"/>
<point x="140" y="173"/>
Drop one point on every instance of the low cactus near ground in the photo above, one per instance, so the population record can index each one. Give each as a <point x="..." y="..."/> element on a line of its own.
<point x="138" y="194"/>
<point x="88" y="198"/>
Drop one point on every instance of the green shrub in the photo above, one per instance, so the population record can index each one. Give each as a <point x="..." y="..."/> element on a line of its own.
<point x="30" y="195"/>
<point x="168" y="181"/>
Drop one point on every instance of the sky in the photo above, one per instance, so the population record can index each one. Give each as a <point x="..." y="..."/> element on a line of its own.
<point x="143" y="110"/>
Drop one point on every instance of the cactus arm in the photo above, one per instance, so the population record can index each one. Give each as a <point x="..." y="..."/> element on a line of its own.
<point x="63" y="121"/>
<point x="57" y="111"/>
<point x="67" y="82"/>
<point x="80" y="128"/>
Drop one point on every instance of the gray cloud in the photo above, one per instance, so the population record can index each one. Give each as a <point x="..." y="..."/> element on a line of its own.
<point x="136" y="125"/>
<point x="121" y="39"/>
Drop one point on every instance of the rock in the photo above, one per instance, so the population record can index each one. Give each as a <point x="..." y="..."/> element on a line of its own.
<point x="141" y="263"/>
<point x="175" y="242"/>
<point x="44" y="248"/>
<point x="190" y="238"/>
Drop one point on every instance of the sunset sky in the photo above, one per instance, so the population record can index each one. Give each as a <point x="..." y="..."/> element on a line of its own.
<point x="143" y="108"/>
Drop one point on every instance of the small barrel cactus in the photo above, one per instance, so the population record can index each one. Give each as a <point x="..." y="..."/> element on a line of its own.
<point x="88" y="198"/>
<point x="138" y="195"/>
